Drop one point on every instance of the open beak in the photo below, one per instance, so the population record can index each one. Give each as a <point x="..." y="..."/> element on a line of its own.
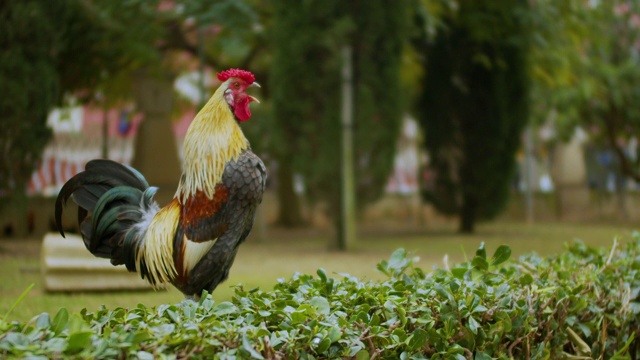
<point x="251" y="98"/>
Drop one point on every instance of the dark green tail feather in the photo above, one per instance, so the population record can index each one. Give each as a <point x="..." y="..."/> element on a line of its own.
<point x="110" y="204"/>
<point x="111" y="199"/>
<point x="88" y="186"/>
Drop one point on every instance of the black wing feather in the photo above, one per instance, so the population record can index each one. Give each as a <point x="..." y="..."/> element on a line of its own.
<point x="245" y="181"/>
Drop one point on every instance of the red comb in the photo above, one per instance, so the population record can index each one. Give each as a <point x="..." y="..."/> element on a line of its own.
<point x="236" y="73"/>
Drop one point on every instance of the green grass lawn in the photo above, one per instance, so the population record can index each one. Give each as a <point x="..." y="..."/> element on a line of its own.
<point x="260" y="264"/>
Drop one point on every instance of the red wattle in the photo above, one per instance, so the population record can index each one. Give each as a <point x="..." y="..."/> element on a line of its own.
<point x="242" y="111"/>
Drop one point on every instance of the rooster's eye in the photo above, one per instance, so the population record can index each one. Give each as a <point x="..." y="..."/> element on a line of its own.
<point x="236" y="85"/>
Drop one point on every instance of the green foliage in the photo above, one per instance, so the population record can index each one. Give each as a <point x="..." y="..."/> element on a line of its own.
<point x="305" y="84"/>
<point x="29" y="85"/>
<point x="92" y="50"/>
<point x="583" y="303"/>
<point x="474" y="107"/>
<point x="239" y="31"/>
<point x="378" y="42"/>
<point x="52" y="49"/>
<point x="586" y="71"/>
<point x="585" y="58"/>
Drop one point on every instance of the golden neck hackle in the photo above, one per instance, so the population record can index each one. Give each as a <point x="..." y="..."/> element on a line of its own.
<point x="213" y="138"/>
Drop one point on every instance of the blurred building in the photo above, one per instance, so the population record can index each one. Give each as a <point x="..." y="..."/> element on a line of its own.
<point x="79" y="136"/>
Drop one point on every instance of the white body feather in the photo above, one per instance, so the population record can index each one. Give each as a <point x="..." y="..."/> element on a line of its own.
<point x="193" y="252"/>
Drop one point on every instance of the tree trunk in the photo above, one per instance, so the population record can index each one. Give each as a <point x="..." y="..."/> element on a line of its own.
<point x="156" y="153"/>
<point x="468" y="215"/>
<point x="290" y="214"/>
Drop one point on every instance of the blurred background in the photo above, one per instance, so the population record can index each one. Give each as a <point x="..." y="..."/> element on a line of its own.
<point x="462" y="109"/>
<point x="512" y="119"/>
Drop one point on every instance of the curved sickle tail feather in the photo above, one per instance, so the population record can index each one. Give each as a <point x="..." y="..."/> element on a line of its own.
<point x="115" y="206"/>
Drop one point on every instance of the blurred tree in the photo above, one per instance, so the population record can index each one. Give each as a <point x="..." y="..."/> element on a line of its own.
<point x="305" y="88"/>
<point x="557" y="32"/>
<point x="29" y="83"/>
<point x="52" y="49"/>
<point x="155" y="35"/>
<point x="91" y="49"/>
<point x="587" y="69"/>
<point x="306" y="40"/>
<point x="474" y="106"/>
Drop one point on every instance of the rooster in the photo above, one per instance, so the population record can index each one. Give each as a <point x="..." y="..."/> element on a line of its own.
<point x="193" y="240"/>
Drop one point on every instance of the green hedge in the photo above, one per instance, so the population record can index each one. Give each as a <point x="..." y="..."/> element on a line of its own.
<point x="581" y="304"/>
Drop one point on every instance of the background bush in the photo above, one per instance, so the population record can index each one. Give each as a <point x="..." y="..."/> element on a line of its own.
<point x="581" y="304"/>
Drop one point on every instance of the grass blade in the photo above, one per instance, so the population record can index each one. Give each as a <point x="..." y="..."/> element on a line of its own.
<point x="19" y="300"/>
